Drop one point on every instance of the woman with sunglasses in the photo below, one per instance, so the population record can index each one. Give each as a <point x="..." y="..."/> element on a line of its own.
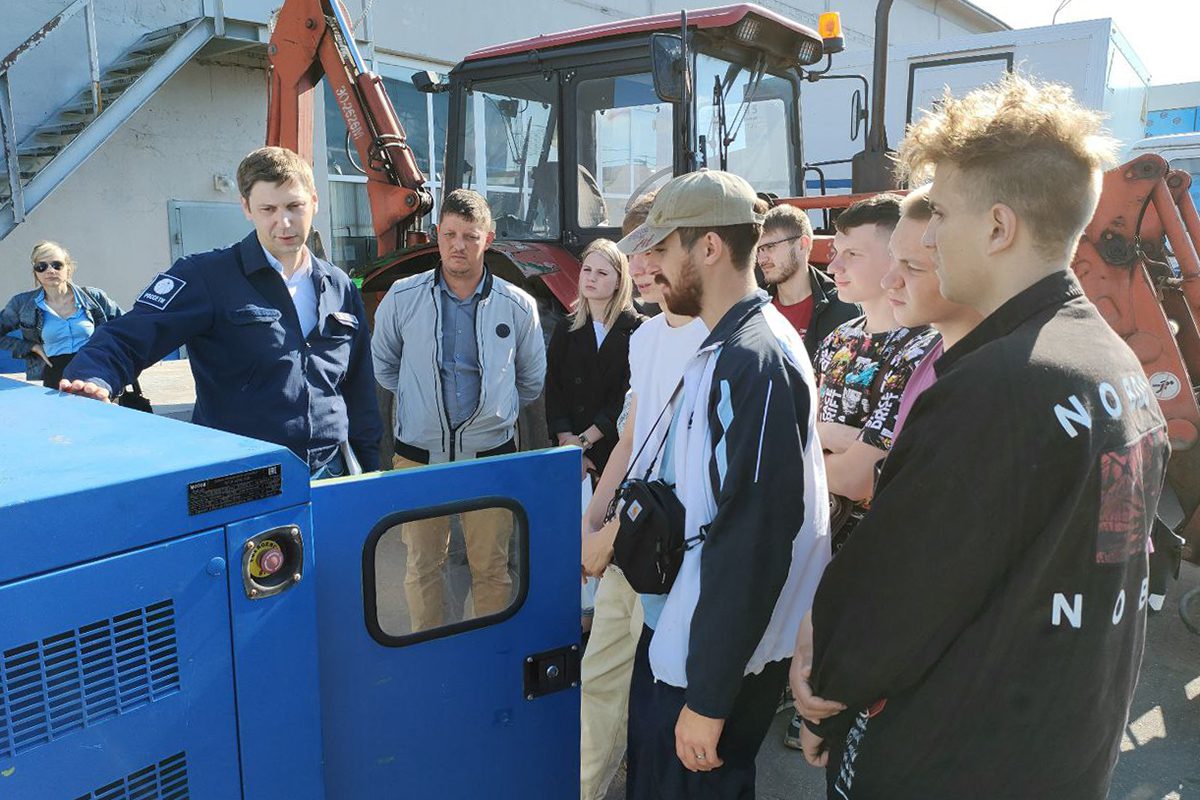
<point x="56" y="318"/>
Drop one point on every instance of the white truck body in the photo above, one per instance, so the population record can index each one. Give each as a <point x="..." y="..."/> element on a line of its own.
<point x="1091" y="57"/>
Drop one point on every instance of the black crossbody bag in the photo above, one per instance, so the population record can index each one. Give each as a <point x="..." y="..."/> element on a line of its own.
<point x="649" y="545"/>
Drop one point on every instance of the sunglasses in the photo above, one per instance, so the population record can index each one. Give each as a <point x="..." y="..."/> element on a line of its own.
<point x="42" y="266"/>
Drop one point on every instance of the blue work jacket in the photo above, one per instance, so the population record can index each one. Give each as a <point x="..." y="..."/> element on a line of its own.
<point x="256" y="373"/>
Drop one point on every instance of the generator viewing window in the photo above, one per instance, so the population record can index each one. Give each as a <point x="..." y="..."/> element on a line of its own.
<point x="510" y="154"/>
<point x="444" y="570"/>
<point x="624" y="145"/>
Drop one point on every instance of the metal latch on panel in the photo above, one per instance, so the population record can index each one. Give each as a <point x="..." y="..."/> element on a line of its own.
<point x="551" y="671"/>
<point x="272" y="561"/>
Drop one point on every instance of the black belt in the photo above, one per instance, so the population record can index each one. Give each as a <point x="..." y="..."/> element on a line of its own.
<point x="421" y="455"/>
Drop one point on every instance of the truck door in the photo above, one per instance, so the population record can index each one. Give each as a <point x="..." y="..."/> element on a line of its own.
<point x="448" y="620"/>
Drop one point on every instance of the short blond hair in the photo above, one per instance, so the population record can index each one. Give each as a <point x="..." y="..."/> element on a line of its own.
<point x="915" y="205"/>
<point x="275" y="165"/>
<point x="1024" y="143"/>
<point x="622" y="297"/>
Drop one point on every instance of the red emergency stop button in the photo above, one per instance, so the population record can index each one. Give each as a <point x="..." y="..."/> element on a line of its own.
<point x="266" y="560"/>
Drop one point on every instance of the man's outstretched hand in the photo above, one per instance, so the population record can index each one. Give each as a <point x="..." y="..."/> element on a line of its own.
<point x="84" y="389"/>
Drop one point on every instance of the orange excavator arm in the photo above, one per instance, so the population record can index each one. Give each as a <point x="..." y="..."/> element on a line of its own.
<point x="312" y="38"/>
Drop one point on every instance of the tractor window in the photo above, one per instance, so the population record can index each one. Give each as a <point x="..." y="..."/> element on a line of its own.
<point x="758" y="110"/>
<point x="511" y="154"/>
<point x="624" y="135"/>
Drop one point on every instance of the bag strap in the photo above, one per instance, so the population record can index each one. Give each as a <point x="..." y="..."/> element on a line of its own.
<point x="612" y="506"/>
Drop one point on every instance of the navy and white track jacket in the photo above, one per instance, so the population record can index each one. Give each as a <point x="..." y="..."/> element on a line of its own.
<point x="751" y="477"/>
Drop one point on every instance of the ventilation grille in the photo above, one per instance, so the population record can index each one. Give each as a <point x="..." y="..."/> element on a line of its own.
<point x="81" y="677"/>
<point x="166" y="780"/>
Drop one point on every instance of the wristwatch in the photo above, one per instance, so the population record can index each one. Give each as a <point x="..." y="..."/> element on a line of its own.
<point x="584" y="442"/>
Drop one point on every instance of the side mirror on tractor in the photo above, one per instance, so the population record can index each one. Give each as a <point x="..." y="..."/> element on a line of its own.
<point x="666" y="59"/>
<point x="430" y="82"/>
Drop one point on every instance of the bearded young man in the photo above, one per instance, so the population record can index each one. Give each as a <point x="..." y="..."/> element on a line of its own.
<point x="807" y="297"/>
<point x="984" y="625"/>
<point x="741" y="451"/>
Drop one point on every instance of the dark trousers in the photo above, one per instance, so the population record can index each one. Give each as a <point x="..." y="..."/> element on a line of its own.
<point x="655" y="771"/>
<point x="52" y="373"/>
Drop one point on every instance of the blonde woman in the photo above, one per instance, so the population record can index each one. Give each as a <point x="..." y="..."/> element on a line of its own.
<point x="56" y="318"/>
<point x="587" y="363"/>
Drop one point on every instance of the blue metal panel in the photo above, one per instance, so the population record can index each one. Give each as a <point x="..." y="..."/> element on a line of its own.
<point x="1172" y="120"/>
<point x="447" y="717"/>
<point x="275" y="655"/>
<point x="113" y="665"/>
<point x="65" y="457"/>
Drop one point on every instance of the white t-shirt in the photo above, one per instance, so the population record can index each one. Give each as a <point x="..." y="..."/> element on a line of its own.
<point x="658" y="354"/>
<point x="598" y="327"/>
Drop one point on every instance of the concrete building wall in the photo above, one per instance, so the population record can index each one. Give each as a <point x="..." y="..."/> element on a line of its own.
<point x="112" y="213"/>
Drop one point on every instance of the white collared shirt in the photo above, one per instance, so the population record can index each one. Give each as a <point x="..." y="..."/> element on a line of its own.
<point x="300" y="287"/>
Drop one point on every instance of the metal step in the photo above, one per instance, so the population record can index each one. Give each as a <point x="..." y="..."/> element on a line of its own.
<point x="159" y="40"/>
<point x="117" y="83"/>
<point x="58" y="129"/>
<point x="132" y="64"/>
<point x="38" y="150"/>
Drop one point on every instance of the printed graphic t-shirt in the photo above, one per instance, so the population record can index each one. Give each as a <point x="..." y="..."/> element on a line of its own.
<point x="862" y="376"/>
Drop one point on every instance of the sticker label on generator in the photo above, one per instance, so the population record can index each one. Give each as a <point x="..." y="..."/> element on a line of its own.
<point x="214" y="494"/>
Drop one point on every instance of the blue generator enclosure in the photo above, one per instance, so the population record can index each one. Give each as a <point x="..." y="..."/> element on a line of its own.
<point x="184" y="617"/>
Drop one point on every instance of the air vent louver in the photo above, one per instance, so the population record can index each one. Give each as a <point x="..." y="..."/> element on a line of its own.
<point x="166" y="780"/>
<point x="80" y="677"/>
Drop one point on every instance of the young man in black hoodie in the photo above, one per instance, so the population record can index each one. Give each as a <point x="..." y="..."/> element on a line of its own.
<point x="984" y="625"/>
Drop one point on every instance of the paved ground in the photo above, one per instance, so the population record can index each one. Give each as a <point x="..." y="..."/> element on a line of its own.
<point x="1161" y="748"/>
<point x="1160" y="757"/>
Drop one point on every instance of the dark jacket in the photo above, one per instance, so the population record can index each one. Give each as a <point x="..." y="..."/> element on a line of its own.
<point x="828" y="310"/>
<point x="995" y="595"/>
<point x="586" y="387"/>
<point x="23" y="314"/>
<point x="256" y="373"/>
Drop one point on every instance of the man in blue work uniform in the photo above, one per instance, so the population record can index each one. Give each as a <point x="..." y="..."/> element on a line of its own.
<point x="277" y="338"/>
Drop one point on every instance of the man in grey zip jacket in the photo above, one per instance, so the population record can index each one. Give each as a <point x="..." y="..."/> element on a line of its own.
<point x="461" y="350"/>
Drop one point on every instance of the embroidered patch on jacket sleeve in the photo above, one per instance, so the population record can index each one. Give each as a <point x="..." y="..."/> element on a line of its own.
<point x="161" y="291"/>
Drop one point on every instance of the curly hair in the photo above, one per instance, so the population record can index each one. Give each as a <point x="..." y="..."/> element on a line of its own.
<point x="1024" y="143"/>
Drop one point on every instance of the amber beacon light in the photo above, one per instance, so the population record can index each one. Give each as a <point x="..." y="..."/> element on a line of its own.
<point x="830" y="27"/>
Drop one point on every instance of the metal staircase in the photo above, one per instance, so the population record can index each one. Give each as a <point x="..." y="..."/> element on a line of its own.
<point x="58" y="146"/>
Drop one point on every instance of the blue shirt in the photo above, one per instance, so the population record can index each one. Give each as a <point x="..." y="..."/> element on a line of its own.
<point x="459" y="367"/>
<point x="64" y="336"/>
<point x="256" y="372"/>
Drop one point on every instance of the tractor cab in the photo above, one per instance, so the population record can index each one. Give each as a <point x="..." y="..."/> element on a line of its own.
<point x="562" y="132"/>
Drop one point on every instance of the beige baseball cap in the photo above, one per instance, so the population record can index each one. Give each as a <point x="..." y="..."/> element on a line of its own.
<point x="703" y="199"/>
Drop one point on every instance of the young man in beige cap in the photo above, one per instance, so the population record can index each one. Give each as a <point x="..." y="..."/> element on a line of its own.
<point x="742" y="454"/>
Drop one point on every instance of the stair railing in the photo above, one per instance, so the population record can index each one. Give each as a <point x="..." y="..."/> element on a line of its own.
<point x="8" y="131"/>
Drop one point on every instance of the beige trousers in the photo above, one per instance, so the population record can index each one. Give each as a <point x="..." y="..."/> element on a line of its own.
<point x="487" y="533"/>
<point x="605" y="674"/>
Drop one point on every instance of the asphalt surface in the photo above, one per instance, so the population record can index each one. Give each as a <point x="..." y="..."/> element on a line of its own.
<point x="1160" y="751"/>
<point x="1160" y="758"/>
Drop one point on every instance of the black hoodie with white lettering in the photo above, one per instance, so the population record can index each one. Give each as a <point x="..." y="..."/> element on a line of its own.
<point x="990" y="609"/>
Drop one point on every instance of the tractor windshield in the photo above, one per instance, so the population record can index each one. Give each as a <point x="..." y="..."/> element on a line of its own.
<point x="510" y="154"/>
<point x="746" y="112"/>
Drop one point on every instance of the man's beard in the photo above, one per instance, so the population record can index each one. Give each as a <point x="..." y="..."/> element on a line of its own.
<point x="785" y="271"/>
<point x="683" y="298"/>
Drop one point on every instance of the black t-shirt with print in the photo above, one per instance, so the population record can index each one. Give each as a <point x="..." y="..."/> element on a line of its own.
<point x="862" y="377"/>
